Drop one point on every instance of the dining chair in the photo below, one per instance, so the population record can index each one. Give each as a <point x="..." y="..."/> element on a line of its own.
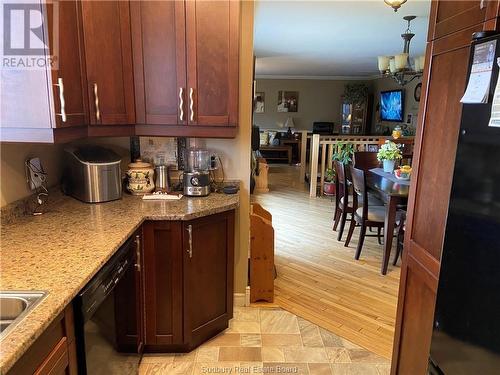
<point x="365" y="215"/>
<point x="365" y="160"/>
<point x="341" y="198"/>
<point x="400" y="239"/>
<point x="344" y="198"/>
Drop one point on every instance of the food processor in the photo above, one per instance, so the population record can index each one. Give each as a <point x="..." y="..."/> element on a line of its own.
<point x="196" y="178"/>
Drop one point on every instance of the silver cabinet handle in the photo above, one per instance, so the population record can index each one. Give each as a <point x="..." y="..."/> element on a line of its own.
<point x="96" y="101"/>
<point x="190" y="239"/>
<point x="181" y="103"/>
<point x="191" y="104"/>
<point x="61" y="99"/>
<point x="138" y="253"/>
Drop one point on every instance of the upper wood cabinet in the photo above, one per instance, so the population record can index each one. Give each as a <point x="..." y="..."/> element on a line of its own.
<point x="186" y="65"/>
<point x="150" y="68"/>
<point x="45" y="104"/>
<point x="69" y="82"/>
<point x="212" y="33"/>
<point x="159" y="45"/>
<point x="448" y="17"/>
<point x="108" y="52"/>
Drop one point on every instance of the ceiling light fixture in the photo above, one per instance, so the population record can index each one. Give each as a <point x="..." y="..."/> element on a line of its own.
<point x="399" y="67"/>
<point x="395" y="4"/>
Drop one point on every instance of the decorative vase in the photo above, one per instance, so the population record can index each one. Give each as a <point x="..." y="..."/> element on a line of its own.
<point x="389" y="166"/>
<point x="397" y="132"/>
<point x="140" y="178"/>
<point x="329" y="188"/>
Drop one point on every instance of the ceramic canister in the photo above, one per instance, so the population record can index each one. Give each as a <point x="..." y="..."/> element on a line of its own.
<point x="140" y="177"/>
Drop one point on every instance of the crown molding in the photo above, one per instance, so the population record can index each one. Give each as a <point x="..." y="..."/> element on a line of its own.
<point x="326" y="78"/>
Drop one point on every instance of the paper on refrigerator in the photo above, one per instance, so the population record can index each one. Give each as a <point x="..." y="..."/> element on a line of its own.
<point x="478" y="86"/>
<point x="495" y="106"/>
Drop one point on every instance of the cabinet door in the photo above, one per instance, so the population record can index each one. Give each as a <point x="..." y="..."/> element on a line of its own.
<point x="162" y="283"/>
<point x="158" y="37"/>
<point x="212" y="33"/>
<point x="437" y="136"/>
<point x="448" y="17"/>
<point x="69" y="81"/>
<point x="130" y="322"/>
<point x="25" y="103"/>
<point x="106" y="26"/>
<point x="208" y="276"/>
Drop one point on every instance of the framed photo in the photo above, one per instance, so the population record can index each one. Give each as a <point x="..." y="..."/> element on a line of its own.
<point x="373" y="148"/>
<point x="259" y="102"/>
<point x="288" y="101"/>
<point x="409" y="119"/>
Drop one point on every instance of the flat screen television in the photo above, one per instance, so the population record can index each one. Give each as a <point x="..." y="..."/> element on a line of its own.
<point x="392" y="105"/>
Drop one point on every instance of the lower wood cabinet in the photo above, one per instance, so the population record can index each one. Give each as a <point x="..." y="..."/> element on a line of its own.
<point x="184" y="285"/>
<point x="54" y="352"/>
<point x="208" y="261"/>
<point x="188" y="281"/>
<point x="163" y="284"/>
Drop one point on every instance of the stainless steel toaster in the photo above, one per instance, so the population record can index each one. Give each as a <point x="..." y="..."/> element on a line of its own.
<point x="92" y="174"/>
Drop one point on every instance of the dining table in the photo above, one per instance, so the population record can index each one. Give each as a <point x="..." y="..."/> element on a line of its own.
<point x="394" y="193"/>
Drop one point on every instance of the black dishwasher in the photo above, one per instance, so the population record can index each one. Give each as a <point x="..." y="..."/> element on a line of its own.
<point x="107" y="324"/>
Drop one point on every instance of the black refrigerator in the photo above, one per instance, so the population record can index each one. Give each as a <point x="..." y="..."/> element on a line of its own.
<point x="466" y="332"/>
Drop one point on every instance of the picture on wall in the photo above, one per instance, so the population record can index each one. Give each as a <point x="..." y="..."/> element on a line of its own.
<point x="259" y="102"/>
<point x="288" y="101"/>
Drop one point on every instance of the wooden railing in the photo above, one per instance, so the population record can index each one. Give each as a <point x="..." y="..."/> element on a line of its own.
<point x="328" y="145"/>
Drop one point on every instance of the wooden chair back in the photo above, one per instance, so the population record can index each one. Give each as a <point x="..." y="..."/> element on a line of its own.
<point x="340" y="181"/>
<point x="358" y="179"/>
<point x="365" y="160"/>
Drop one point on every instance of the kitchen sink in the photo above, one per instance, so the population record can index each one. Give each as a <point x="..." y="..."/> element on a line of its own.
<point x="14" y="306"/>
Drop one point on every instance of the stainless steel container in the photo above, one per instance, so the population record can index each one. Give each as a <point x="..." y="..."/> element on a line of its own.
<point x="196" y="184"/>
<point x="92" y="174"/>
<point x="162" y="178"/>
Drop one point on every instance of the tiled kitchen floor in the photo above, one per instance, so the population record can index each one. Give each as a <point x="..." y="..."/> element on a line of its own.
<point x="270" y="340"/>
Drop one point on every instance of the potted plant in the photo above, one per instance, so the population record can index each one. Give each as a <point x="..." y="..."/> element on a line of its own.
<point x="329" y="182"/>
<point x="388" y="154"/>
<point x="343" y="152"/>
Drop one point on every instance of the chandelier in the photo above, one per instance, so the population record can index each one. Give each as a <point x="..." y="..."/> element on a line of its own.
<point x="395" y="4"/>
<point x="400" y="66"/>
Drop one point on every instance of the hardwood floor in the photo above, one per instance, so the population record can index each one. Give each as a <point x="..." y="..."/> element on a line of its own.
<point x="318" y="278"/>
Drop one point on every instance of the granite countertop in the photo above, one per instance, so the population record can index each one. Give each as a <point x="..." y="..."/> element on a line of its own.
<point x="61" y="250"/>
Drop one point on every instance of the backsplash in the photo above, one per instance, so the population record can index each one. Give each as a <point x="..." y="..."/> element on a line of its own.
<point x="159" y="150"/>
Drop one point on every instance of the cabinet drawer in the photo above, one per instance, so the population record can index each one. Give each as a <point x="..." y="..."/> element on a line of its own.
<point x="57" y="361"/>
<point x="53" y="352"/>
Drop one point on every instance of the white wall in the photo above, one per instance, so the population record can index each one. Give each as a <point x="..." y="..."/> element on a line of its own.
<point x="13" y="185"/>
<point x="319" y="100"/>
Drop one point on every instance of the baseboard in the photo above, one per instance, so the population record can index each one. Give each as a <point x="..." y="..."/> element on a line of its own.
<point x="239" y="299"/>
<point x="242" y="299"/>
